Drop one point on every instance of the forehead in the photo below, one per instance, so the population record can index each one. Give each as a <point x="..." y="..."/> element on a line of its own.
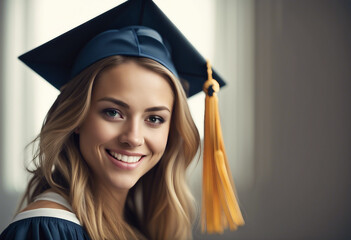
<point x="135" y="84"/>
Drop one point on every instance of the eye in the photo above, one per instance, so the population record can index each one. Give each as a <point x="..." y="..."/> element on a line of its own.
<point x="112" y="113"/>
<point x="155" y="120"/>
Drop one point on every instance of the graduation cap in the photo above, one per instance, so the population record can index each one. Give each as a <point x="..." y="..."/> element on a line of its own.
<point x="140" y="28"/>
<point x="55" y="59"/>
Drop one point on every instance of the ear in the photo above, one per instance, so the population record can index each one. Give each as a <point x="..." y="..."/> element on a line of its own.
<point x="76" y="130"/>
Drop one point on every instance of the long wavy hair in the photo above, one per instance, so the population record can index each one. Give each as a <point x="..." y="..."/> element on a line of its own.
<point x="159" y="206"/>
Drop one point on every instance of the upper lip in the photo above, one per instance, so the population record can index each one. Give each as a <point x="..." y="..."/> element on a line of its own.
<point x="127" y="153"/>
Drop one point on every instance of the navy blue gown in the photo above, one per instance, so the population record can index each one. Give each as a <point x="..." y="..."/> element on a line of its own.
<point x="48" y="228"/>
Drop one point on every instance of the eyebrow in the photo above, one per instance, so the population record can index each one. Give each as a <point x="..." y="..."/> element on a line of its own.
<point x="125" y="105"/>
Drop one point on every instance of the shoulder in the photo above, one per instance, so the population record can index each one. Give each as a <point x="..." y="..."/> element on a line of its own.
<point x="44" y="204"/>
<point x="50" y="228"/>
<point x="48" y="204"/>
<point x="49" y="217"/>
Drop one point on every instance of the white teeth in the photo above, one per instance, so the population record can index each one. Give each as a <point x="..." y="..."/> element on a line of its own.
<point x="125" y="158"/>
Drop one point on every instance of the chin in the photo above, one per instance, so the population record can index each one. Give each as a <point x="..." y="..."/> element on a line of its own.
<point x="124" y="183"/>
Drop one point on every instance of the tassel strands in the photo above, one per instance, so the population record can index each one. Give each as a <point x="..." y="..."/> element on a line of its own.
<point x="219" y="204"/>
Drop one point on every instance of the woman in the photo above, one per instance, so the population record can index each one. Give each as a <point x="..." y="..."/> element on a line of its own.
<point x="114" y="147"/>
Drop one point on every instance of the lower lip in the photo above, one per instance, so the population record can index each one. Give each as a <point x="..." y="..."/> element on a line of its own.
<point x="124" y="165"/>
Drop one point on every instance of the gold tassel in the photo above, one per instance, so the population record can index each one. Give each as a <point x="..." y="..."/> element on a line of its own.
<point x="219" y="204"/>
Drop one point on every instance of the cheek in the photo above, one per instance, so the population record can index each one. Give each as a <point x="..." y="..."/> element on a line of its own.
<point x="158" y="142"/>
<point x="94" y="127"/>
<point x="92" y="134"/>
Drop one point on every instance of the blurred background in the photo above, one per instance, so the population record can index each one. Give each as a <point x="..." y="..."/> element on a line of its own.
<point x="285" y="111"/>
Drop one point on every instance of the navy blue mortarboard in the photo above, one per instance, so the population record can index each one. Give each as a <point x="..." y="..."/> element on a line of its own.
<point x="135" y="28"/>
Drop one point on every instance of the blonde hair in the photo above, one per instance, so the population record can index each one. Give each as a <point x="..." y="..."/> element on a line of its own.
<point x="159" y="206"/>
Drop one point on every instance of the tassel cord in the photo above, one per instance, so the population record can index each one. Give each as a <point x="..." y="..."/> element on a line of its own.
<point x="220" y="207"/>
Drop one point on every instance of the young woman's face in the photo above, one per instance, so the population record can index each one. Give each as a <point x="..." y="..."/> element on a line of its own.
<point x="126" y="130"/>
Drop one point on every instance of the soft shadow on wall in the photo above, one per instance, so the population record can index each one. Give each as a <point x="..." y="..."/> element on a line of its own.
<point x="302" y="123"/>
<point x="6" y="199"/>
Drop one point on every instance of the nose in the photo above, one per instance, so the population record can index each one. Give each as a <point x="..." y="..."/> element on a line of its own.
<point x="132" y="134"/>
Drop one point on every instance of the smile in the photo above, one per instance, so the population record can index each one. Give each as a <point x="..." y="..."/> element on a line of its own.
<point x="124" y="158"/>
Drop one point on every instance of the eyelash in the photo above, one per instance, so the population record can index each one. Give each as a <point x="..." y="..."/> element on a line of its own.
<point x="157" y="118"/>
